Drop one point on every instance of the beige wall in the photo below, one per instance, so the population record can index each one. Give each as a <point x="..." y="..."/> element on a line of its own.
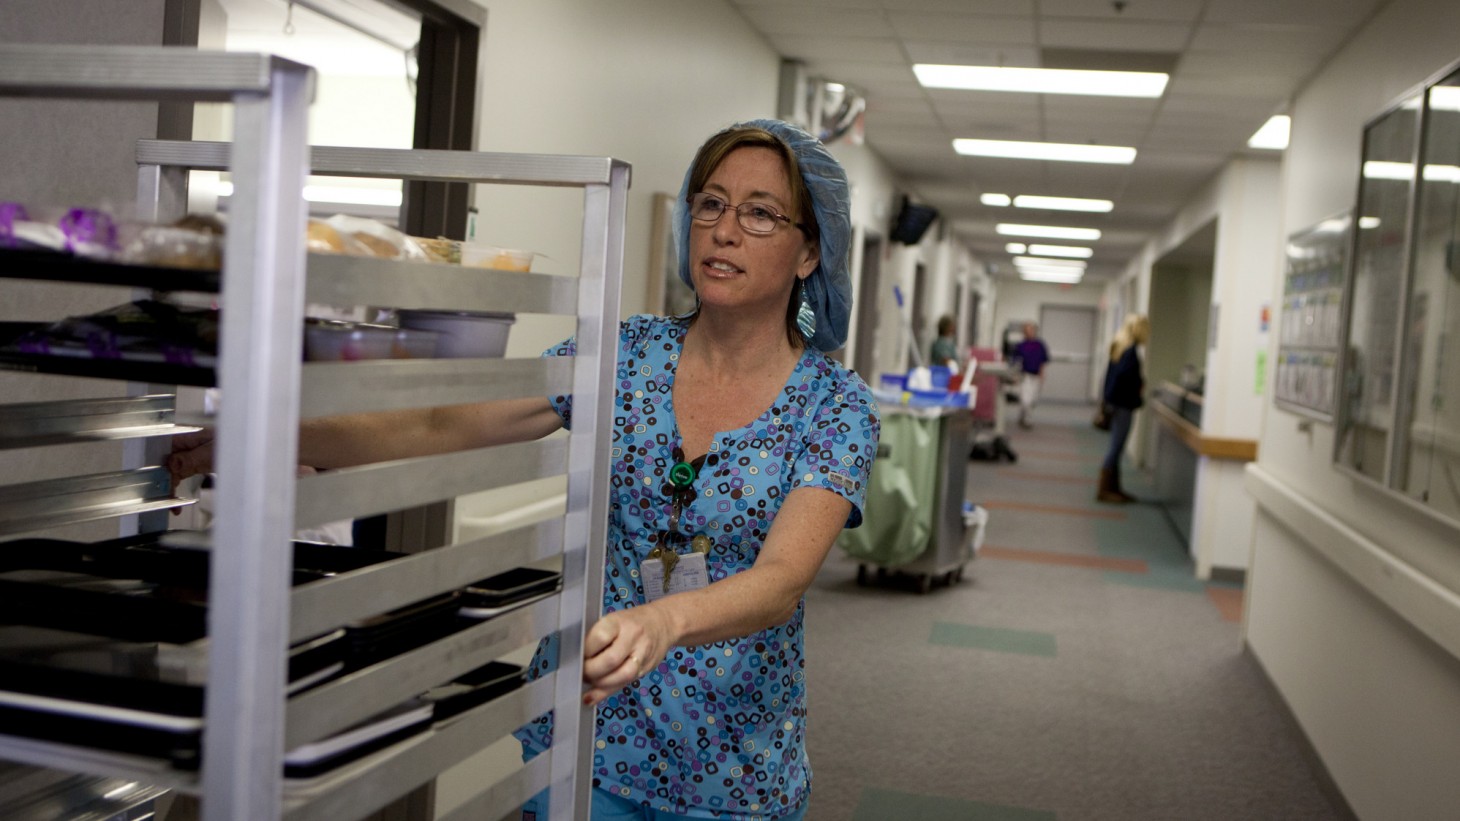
<point x="1354" y="606"/>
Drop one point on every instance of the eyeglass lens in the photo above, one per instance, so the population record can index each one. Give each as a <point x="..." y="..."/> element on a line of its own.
<point x="752" y="216"/>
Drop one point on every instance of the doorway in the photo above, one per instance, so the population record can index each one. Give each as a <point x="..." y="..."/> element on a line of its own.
<point x="1069" y="333"/>
<point x="864" y="357"/>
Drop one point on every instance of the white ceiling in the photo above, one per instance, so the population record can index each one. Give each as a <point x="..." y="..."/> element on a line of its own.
<point x="1233" y="63"/>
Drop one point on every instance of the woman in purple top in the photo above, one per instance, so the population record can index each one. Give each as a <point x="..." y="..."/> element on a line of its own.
<point x="1032" y="356"/>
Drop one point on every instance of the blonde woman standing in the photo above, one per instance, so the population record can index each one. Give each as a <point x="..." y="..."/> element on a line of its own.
<point x="1124" y="387"/>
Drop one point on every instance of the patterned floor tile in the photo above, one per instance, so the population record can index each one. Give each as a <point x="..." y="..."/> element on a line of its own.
<point x="998" y="639"/>
<point x="887" y="805"/>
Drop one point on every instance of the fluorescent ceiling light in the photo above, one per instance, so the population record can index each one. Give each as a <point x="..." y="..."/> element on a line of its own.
<point x="1040" y="269"/>
<point x="1433" y="172"/>
<point x="1043" y="264"/>
<point x="1042" y="80"/>
<point x="1384" y="170"/>
<point x="1063" y="152"/>
<point x="1061" y="251"/>
<point x="1273" y="134"/>
<point x="1071" y="278"/>
<point x="997" y="200"/>
<point x="1442" y="173"/>
<point x="1016" y="248"/>
<point x="1445" y="97"/>
<point x="1046" y="231"/>
<point x="1368" y="222"/>
<point x="1063" y="203"/>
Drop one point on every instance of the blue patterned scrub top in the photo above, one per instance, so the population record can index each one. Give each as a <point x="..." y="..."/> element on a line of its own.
<point x="716" y="730"/>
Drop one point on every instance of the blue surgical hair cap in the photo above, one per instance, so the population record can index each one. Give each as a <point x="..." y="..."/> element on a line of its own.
<point x="829" y="287"/>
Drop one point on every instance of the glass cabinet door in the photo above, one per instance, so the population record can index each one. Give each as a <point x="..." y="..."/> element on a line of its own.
<point x="1376" y="289"/>
<point x="1427" y="453"/>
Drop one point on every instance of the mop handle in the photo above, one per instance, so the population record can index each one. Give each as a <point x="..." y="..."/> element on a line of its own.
<point x="908" y="328"/>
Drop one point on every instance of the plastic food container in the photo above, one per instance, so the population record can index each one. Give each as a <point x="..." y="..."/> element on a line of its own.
<point x="347" y="342"/>
<point x="464" y="334"/>
<point x="490" y="256"/>
<point x="413" y="343"/>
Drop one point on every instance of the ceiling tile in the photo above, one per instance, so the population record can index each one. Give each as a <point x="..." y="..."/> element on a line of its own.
<point x="1021" y="8"/>
<point x="830" y="49"/>
<point x="1312" y="42"/>
<point x="1251" y="87"/>
<point x="1076" y="105"/>
<point x="1340" y="13"/>
<point x="1128" y="35"/>
<point x="1182" y="10"/>
<point x="963" y="28"/>
<point x="1285" y="64"/>
<point x="816" y="22"/>
<point x="949" y="52"/>
<point x="822" y="4"/>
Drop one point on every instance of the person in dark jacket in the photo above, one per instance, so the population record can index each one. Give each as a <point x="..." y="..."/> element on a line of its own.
<point x="1124" y="387"/>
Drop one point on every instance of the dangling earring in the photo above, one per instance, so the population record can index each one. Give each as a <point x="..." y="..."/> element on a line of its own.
<point x="805" y="317"/>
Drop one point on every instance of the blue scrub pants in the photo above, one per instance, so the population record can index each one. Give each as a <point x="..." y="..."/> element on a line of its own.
<point x="609" y="807"/>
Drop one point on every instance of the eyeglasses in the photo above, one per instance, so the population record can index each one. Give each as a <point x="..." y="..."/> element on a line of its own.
<point x="754" y="217"/>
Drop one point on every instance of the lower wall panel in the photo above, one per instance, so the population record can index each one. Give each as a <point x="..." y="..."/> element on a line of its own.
<point x="1378" y="699"/>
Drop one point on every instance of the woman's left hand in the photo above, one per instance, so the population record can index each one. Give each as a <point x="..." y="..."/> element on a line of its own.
<point x="621" y="647"/>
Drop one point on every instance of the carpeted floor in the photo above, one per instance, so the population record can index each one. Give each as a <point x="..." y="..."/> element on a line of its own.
<point x="1078" y="671"/>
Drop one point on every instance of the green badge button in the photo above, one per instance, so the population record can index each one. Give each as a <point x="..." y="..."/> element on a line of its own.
<point x="682" y="474"/>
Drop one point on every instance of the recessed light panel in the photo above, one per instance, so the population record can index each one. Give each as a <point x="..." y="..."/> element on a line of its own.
<point x="1273" y="134"/>
<point x="1047" y="231"/>
<point x="1042" y="80"/>
<point x="1063" y="203"/>
<point x="996" y="200"/>
<point x="1073" y="251"/>
<point x="1060" y="152"/>
<point x="1051" y="264"/>
<point x="1071" y="278"/>
<point x="1016" y="248"/>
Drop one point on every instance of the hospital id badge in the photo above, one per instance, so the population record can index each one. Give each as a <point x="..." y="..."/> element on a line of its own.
<point x="687" y="573"/>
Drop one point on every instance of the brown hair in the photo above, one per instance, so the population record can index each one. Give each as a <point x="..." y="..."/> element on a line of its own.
<point x="720" y="146"/>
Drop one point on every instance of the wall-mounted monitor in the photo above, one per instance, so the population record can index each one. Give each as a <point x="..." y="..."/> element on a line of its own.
<point x="912" y="222"/>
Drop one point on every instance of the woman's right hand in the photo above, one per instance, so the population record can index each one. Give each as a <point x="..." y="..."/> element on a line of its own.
<point x="192" y="453"/>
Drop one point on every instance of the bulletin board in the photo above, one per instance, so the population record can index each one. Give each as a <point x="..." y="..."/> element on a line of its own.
<point x="1311" y="323"/>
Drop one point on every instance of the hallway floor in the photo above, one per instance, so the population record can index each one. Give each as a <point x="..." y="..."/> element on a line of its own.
<point x="1079" y="671"/>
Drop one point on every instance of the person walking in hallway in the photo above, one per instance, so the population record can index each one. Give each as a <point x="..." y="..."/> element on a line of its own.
<point x="1124" y="386"/>
<point x="945" y="348"/>
<point x="1033" y="356"/>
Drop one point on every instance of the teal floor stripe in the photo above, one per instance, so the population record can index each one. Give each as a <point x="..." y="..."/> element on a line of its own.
<point x="999" y="639"/>
<point x="884" y="805"/>
<point x="1164" y="578"/>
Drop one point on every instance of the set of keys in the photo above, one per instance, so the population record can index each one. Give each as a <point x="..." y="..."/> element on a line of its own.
<point x="664" y="558"/>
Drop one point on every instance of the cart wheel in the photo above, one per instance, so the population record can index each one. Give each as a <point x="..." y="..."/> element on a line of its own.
<point x="948" y="579"/>
<point x="881" y="574"/>
<point x="861" y="575"/>
<point x="958" y="574"/>
<point x="925" y="582"/>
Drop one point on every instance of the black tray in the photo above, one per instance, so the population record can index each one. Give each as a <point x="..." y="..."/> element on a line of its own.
<point x="24" y="263"/>
<point x="165" y="603"/>
<point x="379" y="637"/>
<point x="509" y="587"/>
<point x="144" y="557"/>
<point x="182" y="748"/>
<point x="377" y="733"/>
<point x="134" y="371"/>
<point x="473" y="688"/>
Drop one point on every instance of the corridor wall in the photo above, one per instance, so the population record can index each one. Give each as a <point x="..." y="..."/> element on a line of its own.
<point x="1353" y="606"/>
